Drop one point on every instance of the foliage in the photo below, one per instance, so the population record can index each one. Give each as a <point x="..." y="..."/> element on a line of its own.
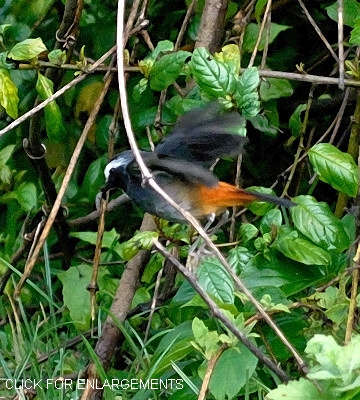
<point x="297" y="262"/>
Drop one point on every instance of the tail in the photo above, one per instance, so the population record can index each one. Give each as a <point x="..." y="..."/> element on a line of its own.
<point x="215" y="199"/>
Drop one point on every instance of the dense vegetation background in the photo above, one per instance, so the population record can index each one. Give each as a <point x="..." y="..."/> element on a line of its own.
<point x="86" y="299"/>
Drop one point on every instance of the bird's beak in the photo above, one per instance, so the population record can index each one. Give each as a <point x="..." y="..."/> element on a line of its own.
<point x="105" y="189"/>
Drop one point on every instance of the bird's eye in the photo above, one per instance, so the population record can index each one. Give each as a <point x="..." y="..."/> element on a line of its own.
<point x="112" y="170"/>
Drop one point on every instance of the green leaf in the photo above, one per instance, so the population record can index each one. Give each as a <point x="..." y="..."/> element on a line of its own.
<point x="302" y="389"/>
<point x="109" y="238"/>
<point x="27" y="196"/>
<point x="246" y="95"/>
<point x="262" y="124"/>
<point x="351" y="10"/>
<point x="27" y="49"/>
<point x="335" y="367"/>
<point x="94" y="178"/>
<point x="316" y="221"/>
<point x="274" y="270"/>
<point x="5" y="174"/>
<point x="173" y="347"/>
<point x="295" y="122"/>
<point x="274" y="88"/>
<point x="167" y="69"/>
<point x="215" y="280"/>
<point x="76" y="297"/>
<point x="212" y="76"/>
<point x="6" y="153"/>
<point x="247" y="232"/>
<point x="230" y="55"/>
<point x="252" y="32"/>
<point x="238" y="258"/>
<point x="140" y="88"/>
<point x="259" y="6"/>
<point x="8" y="94"/>
<point x="355" y="33"/>
<point x="57" y="56"/>
<point x="226" y="381"/>
<point x="260" y="207"/>
<point x="335" y="167"/>
<point x="3" y="28"/>
<point x="206" y="341"/>
<point x="268" y="304"/>
<point x="53" y="118"/>
<point x="299" y="249"/>
<point x="164" y="46"/>
<point x="270" y="219"/>
<point x="141" y="241"/>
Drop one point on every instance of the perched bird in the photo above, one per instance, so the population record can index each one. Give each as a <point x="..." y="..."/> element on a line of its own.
<point x="181" y="165"/>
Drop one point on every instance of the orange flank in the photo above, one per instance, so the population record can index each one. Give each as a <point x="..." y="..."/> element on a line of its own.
<point x="216" y="199"/>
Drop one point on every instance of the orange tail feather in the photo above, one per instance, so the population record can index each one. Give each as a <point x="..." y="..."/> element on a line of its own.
<point x="216" y="199"/>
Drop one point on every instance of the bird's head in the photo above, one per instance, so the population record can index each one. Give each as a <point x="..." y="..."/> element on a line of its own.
<point x="115" y="171"/>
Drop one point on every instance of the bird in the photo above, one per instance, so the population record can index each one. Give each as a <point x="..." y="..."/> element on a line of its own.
<point x="181" y="165"/>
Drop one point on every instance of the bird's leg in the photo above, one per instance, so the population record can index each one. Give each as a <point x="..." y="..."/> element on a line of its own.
<point x="198" y="249"/>
<point x="224" y="218"/>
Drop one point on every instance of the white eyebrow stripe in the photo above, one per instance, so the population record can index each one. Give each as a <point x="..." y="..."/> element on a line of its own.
<point x="117" y="162"/>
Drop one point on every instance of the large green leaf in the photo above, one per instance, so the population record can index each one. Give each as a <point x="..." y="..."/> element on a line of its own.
<point x="298" y="390"/>
<point x="351" y="10"/>
<point x="355" y="33"/>
<point x="273" y="269"/>
<point x="173" y="347"/>
<point x="230" y="55"/>
<point x="274" y="88"/>
<point x="259" y="207"/>
<point x="335" y="167"/>
<point x="317" y="222"/>
<point x="8" y="94"/>
<point x="216" y="280"/>
<point x="27" y="196"/>
<point x="27" y="49"/>
<point x="6" y="153"/>
<point x="246" y="95"/>
<point x="292" y="245"/>
<point x="211" y="75"/>
<point x="334" y="369"/>
<point x="239" y="257"/>
<point x="252" y="32"/>
<point x="76" y="297"/>
<point x="109" y="237"/>
<point x="271" y="219"/>
<point x="206" y="341"/>
<point x="295" y="122"/>
<point x="247" y="232"/>
<point x="167" y="69"/>
<point x="226" y="381"/>
<point x="53" y="118"/>
<point x="140" y="241"/>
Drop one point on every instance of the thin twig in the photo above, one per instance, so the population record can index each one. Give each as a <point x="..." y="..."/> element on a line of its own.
<point x="209" y="371"/>
<point x="267" y="40"/>
<point x="318" y="31"/>
<point x="264" y="21"/>
<point x="265" y="73"/>
<point x="186" y="20"/>
<point x="354" y="293"/>
<point x="341" y="44"/>
<point x="301" y="141"/>
<point x="340" y="115"/>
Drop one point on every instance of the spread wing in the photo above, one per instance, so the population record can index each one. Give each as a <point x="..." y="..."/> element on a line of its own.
<point x="203" y="135"/>
<point x="187" y="172"/>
